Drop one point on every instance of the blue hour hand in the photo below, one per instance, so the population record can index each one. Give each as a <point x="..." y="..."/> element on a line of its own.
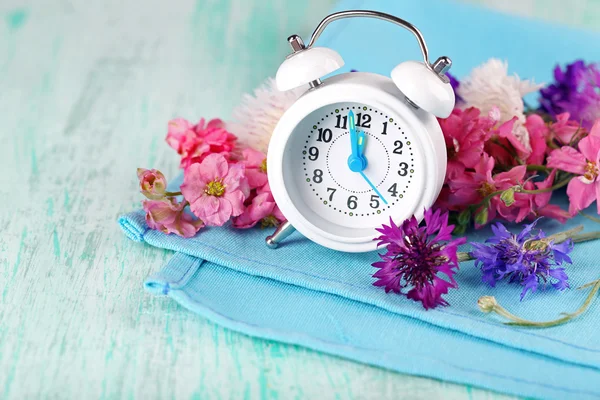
<point x="356" y="162"/>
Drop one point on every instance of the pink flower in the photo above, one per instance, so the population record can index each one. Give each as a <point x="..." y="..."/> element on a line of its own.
<point x="504" y="145"/>
<point x="169" y="216"/>
<point x="465" y="132"/>
<point x="538" y="134"/>
<point x="540" y="203"/>
<point x="215" y="190"/>
<point x="472" y="187"/>
<point x="262" y="209"/>
<point x="585" y="188"/>
<point x="256" y="167"/>
<point x="153" y="183"/>
<point x="564" y="129"/>
<point x="195" y="142"/>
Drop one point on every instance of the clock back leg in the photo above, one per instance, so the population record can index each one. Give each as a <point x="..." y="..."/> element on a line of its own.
<point x="284" y="230"/>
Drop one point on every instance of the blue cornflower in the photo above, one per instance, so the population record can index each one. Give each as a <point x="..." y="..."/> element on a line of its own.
<point x="527" y="258"/>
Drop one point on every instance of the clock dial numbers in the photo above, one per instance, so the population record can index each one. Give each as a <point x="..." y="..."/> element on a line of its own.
<point x="341" y="196"/>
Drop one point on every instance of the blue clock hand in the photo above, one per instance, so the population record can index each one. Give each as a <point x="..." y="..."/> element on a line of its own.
<point x="373" y="187"/>
<point x="362" y="141"/>
<point x="356" y="162"/>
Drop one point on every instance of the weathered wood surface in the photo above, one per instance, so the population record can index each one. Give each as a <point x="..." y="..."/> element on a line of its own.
<point x="86" y="89"/>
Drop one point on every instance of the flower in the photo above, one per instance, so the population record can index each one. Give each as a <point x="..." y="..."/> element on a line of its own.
<point x="261" y="209"/>
<point x="416" y="256"/>
<point x="153" y="183"/>
<point x="526" y="258"/>
<point x="256" y="118"/>
<point x="585" y="188"/>
<point x="455" y="84"/>
<point x="487" y="303"/>
<point x="195" y="142"/>
<point x="576" y="90"/>
<point x="215" y="190"/>
<point x="168" y="216"/>
<point x="489" y="86"/>
<point x="540" y="203"/>
<point x="256" y="167"/>
<point x="472" y="188"/>
<point x="538" y="134"/>
<point x="564" y="130"/>
<point x="465" y="132"/>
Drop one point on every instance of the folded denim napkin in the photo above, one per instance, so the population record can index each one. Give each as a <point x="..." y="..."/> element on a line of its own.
<point x="305" y="294"/>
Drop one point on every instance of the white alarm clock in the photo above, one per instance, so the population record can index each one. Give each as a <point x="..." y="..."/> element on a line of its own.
<point x="357" y="148"/>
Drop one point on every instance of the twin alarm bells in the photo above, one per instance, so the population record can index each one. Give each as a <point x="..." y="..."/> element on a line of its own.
<point x="358" y="148"/>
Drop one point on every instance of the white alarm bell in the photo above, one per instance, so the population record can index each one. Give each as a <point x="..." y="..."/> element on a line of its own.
<point x="357" y="148"/>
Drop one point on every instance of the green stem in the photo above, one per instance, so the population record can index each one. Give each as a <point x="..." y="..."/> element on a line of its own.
<point x="562" y="236"/>
<point x="589" y="217"/>
<point x="584" y="237"/>
<point x="560" y="184"/>
<point x="540" y="168"/>
<point x="567" y="316"/>
<point x="172" y="194"/>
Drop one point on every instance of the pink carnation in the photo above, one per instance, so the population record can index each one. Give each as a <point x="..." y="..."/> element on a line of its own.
<point x="215" y="190"/>
<point x="465" y="133"/>
<point x="583" y="189"/>
<point x="169" y="216"/>
<point x="195" y="142"/>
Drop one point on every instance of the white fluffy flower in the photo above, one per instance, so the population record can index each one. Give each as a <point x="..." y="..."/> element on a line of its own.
<point x="255" y="119"/>
<point x="489" y="86"/>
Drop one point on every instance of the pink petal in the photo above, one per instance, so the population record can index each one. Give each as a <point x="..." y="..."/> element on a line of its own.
<point x="213" y="166"/>
<point x="193" y="184"/>
<point x="253" y="158"/>
<point x="256" y="178"/>
<point x="567" y="159"/>
<point x="236" y="200"/>
<point x="595" y="131"/>
<point x="590" y="147"/>
<point x="581" y="195"/>
<point x="234" y="177"/>
<point x="222" y="215"/>
<point x="205" y="206"/>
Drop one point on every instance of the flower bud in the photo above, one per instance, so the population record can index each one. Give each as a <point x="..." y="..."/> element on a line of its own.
<point x="508" y="196"/>
<point x="481" y="218"/>
<point x="487" y="303"/>
<point x="153" y="183"/>
<point x="464" y="217"/>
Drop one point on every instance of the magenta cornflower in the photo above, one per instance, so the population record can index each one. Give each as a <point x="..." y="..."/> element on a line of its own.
<point x="416" y="256"/>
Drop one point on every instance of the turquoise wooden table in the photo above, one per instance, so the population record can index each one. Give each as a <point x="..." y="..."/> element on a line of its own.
<point x="86" y="89"/>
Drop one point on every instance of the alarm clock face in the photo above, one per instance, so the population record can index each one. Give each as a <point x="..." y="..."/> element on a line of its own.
<point x="339" y="201"/>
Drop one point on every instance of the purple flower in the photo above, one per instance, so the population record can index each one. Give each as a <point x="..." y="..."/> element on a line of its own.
<point x="455" y="84"/>
<point x="416" y="256"/>
<point x="527" y="258"/>
<point x="576" y="90"/>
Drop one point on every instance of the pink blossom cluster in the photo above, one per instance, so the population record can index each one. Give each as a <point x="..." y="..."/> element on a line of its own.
<point x="492" y="174"/>
<point x="221" y="183"/>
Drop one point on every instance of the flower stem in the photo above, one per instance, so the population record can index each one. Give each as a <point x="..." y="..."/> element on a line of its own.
<point x="589" y="217"/>
<point x="562" y="236"/>
<point x="490" y="304"/>
<point x="567" y="316"/>
<point x="540" y="168"/>
<point x="560" y="184"/>
<point x="172" y="194"/>
<point x="464" y="256"/>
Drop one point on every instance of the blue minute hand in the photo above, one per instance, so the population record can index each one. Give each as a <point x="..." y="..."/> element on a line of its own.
<point x="373" y="187"/>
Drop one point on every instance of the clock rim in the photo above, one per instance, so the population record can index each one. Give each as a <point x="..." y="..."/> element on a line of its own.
<point x="377" y="91"/>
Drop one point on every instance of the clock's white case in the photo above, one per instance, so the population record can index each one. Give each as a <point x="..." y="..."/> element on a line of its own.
<point x="365" y="88"/>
